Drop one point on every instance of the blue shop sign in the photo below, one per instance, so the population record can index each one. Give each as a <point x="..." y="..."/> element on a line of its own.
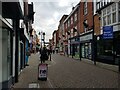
<point x="107" y="32"/>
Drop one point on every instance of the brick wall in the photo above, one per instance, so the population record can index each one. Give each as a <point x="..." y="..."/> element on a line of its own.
<point x="88" y="16"/>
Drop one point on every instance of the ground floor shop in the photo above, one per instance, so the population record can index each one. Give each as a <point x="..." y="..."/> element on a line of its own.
<point x="86" y="50"/>
<point x="75" y="47"/>
<point x="6" y="43"/>
<point x="108" y="50"/>
<point x="86" y="42"/>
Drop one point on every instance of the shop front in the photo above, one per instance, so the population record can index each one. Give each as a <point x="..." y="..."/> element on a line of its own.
<point x="6" y="43"/>
<point x="74" y="47"/>
<point x="108" y="50"/>
<point x="86" y="46"/>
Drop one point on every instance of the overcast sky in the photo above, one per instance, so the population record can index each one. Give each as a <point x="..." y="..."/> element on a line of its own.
<point x="48" y="14"/>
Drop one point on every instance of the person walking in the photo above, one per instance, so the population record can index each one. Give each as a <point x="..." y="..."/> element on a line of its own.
<point x="27" y="56"/>
<point x="44" y="55"/>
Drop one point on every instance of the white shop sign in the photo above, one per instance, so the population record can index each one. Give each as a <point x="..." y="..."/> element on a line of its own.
<point x="86" y="37"/>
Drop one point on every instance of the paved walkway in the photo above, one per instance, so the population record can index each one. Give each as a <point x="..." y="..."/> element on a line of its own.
<point x="29" y="76"/>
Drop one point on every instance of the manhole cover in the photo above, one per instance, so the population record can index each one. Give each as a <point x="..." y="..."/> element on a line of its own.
<point x="34" y="85"/>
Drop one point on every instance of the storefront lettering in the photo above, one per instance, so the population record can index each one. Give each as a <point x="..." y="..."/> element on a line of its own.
<point x="86" y="37"/>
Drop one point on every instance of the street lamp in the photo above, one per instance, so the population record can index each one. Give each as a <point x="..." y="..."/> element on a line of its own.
<point x="44" y="38"/>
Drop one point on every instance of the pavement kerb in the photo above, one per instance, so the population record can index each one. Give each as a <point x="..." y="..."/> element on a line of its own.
<point x="113" y="68"/>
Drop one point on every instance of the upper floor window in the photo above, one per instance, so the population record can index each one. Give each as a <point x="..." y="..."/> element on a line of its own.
<point x="71" y="20"/>
<point x="109" y="15"/>
<point x="68" y="23"/>
<point x="85" y="28"/>
<point x="114" y="13"/>
<point x="85" y="7"/>
<point x="119" y="11"/>
<point x="75" y="17"/>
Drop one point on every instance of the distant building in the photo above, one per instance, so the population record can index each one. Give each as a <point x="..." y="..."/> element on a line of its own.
<point x="62" y="34"/>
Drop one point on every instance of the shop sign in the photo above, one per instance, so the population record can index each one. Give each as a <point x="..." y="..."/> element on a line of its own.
<point x="107" y="32"/>
<point x="86" y="37"/>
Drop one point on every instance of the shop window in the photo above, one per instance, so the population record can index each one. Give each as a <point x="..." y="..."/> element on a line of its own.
<point x="105" y="47"/>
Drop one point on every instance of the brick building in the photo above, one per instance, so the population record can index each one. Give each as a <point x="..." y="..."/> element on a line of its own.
<point x="61" y="34"/>
<point x="86" y="29"/>
<point x="71" y="28"/>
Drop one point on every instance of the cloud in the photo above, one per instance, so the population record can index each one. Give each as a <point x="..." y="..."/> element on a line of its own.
<point x="48" y="14"/>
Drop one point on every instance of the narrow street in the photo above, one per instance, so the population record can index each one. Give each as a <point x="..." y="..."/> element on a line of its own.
<point x="65" y="72"/>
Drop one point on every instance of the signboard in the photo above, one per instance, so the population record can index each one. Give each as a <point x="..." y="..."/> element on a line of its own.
<point x="42" y="71"/>
<point x="107" y="32"/>
<point x="86" y="37"/>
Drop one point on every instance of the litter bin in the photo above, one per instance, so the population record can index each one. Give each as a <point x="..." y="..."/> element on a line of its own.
<point x="42" y="71"/>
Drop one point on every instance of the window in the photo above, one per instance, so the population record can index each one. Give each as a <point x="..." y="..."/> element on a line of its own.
<point x="109" y="15"/>
<point x="85" y="29"/>
<point x="114" y="13"/>
<point x="114" y="17"/>
<point x="71" y="32"/>
<point x="119" y="11"/>
<point x="85" y="7"/>
<point x="71" y="20"/>
<point x="109" y="19"/>
<point x="68" y="23"/>
<point x="75" y="17"/>
<point x="105" y="47"/>
<point x="104" y="21"/>
<point x="104" y="12"/>
<point x="114" y="7"/>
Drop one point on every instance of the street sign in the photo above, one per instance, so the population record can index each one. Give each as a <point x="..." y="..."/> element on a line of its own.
<point x="107" y="32"/>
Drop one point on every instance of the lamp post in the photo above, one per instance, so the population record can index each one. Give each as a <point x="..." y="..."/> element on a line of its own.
<point x="40" y="33"/>
<point x="44" y="38"/>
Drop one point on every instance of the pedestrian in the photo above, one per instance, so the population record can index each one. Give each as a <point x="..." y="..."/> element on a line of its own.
<point x="49" y="53"/>
<point x="44" y="55"/>
<point x="27" y="56"/>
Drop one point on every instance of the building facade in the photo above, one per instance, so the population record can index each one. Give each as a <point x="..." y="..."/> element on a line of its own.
<point x="108" y="47"/>
<point x="14" y="40"/>
<point x="62" y="34"/>
<point x="10" y="29"/>
<point x="86" y="29"/>
<point x="71" y="28"/>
